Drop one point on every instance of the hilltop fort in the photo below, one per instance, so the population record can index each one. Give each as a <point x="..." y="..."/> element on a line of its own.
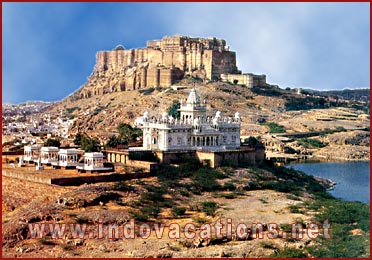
<point x="163" y="63"/>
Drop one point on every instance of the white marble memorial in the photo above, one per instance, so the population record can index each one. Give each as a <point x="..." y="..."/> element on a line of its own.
<point x="49" y="155"/>
<point x="193" y="131"/>
<point x="31" y="153"/>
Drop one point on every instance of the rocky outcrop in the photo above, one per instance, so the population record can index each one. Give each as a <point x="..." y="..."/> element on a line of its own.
<point x="160" y="63"/>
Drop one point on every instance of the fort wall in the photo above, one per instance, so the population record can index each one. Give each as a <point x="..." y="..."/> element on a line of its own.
<point x="160" y="63"/>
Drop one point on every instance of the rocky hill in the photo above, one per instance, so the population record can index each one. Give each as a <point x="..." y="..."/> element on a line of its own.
<point x="160" y="63"/>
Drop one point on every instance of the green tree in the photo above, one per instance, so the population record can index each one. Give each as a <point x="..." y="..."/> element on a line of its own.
<point x="78" y="137"/>
<point x="173" y="109"/>
<point x="251" y="141"/>
<point x="128" y="133"/>
<point x="52" y="142"/>
<point x="235" y="81"/>
<point x="114" y="141"/>
<point x="90" y="144"/>
<point x="86" y="143"/>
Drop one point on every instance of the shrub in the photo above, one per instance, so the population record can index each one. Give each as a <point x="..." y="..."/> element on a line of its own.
<point x="205" y="180"/>
<point x="67" y="247"/>
<point x="307" y="103"/>
<point x="290" y="253"/>
<point x="268" y="245"/>
<point x="151" y="211"/>
<point x="295" y="209"/>
<point x="139" y="217"/>
<point x="72" y="109"/>
<point x="184" y="193"/>
<point x="209" y="208"/>
<point x="52" y="142"/>
<point x="230" y="195"/>
<point x="156" y="196"/>
<point x="178" y="211"/>
<point x="47" y="242"/>
<point x="122" y="186"/>
<point x="195" y="207"/>
<point x="82" y="220"/>
<point x="229" y="186"/>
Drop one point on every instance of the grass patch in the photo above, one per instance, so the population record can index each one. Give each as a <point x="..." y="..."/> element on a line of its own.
<point x="310" y="143"/>
<point x="343" y="217"/>
<point x="204" y="179"/>
<point x="275" y="128"/>
<point x="296" y="209"/>
<point x="199" y="220"/>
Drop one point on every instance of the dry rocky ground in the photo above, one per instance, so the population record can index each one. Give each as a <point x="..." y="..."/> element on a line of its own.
<point x="26" y="202"/>
<point x="100" y="115"/>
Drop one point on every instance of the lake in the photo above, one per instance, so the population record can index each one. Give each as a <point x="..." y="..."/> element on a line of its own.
<point x="352" y="178"/>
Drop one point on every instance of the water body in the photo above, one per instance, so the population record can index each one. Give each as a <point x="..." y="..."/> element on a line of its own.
<point x="352" y="178"/>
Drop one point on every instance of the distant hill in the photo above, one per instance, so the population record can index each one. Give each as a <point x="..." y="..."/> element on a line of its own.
<point x="347" y="94"/>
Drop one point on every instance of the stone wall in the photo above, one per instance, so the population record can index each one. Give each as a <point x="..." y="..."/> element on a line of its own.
<point x="123" y="157"/>
<point x="248" y="79"/>
<point x="247" y="156"/>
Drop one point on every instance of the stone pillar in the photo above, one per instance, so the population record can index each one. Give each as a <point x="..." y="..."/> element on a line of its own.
<point x="165" y="141"/>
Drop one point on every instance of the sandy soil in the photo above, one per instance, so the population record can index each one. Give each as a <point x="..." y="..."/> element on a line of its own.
<point x="263" y="206"/>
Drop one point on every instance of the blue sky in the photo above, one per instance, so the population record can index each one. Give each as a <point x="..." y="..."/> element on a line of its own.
<point x="49" y="48"/>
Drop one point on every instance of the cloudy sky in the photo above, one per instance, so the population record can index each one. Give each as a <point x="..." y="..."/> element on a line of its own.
<point x="49" y="48"/>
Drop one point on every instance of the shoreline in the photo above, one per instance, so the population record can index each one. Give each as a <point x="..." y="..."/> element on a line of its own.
<point x="321" y="160"/>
